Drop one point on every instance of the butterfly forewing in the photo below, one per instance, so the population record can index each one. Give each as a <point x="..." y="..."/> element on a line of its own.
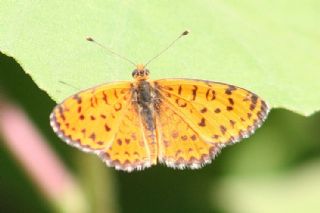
<point x="90" y="119"/>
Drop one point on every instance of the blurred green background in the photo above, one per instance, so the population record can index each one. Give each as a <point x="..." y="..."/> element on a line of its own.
<point x="269" y="47"/>
<point x="275" y="170"/>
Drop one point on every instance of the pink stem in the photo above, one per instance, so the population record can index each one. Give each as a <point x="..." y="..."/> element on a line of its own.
<point x="33" y="152"/>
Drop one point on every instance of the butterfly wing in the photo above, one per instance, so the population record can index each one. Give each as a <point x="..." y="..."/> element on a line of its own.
<point x="132" y="148"/>
<point x="103" y="120"/>
<point x="90" y="119"/>
<point x="179" y="143"/>
<point x="197" y="118"/>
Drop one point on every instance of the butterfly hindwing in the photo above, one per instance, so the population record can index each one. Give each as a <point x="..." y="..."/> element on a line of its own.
<point x="131" y="147"/>
<point x="180" y="145"/>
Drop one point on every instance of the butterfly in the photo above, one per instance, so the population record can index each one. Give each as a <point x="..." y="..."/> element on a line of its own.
<point x="183" y="123"/>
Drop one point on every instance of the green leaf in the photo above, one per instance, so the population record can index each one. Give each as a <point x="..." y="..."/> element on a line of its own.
<point x="295" y="191"/>
<point x="269" y="47"/>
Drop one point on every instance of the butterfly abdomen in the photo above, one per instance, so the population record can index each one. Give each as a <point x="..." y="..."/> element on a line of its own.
<point x="144" y="98"/>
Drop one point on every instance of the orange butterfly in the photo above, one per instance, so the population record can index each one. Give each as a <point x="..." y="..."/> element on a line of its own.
<point x="183" y="123"/>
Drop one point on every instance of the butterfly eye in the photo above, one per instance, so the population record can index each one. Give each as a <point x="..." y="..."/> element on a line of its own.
<point x="134" y="73"/>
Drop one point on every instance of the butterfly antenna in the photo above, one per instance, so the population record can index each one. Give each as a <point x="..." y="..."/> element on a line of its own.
<point x="109" y="50"/>
<point x="70" y="85"/>
<point x="186" y="32"/>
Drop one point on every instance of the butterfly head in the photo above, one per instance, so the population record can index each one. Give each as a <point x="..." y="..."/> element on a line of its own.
<point x="140" y="73"/>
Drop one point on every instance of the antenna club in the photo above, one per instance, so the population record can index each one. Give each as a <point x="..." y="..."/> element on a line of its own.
<point x="186" y="32"/>
<point x="89" y="39"/>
